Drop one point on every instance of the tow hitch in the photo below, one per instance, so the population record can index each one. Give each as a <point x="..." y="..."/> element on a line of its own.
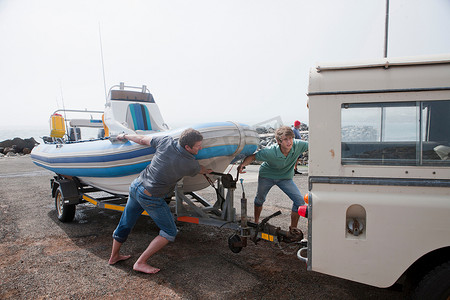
<point x="262" y="231"/>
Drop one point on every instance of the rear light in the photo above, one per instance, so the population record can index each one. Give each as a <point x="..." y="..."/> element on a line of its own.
<point x="305" y="198"/>
<point x="303" y="211"/>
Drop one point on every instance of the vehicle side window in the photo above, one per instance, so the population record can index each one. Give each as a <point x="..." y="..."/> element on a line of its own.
<point x="402" y="133"/>
<point x="435" y="133"/>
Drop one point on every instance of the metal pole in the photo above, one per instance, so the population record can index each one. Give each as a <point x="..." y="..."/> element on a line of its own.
<point x="103" y="64"/>
<point x="386" y="29"/>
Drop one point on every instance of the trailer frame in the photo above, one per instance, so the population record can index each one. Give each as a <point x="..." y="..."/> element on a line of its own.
<point x="187" y="207"/>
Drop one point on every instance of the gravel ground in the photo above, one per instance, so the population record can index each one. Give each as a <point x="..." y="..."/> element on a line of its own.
<point x="44" y="258"/>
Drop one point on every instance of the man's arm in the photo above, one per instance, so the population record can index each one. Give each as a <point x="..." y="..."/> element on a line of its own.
<point x="137" y="138"/>
<point x="248" y="160"/>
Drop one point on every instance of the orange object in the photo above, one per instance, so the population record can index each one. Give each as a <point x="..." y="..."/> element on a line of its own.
<point x="305" y="198"/>
<point x="188" y="219"/>
<point x="57" y="127"/>
<point x="104" y="126"/>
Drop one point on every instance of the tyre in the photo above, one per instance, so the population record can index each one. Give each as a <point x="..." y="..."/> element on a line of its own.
<point x="231" y="243"/>
<point x="435" y="285"/>
<point x="65" y="212"/>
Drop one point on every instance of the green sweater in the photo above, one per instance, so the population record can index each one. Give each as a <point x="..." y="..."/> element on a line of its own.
<point x="277" y="166"/>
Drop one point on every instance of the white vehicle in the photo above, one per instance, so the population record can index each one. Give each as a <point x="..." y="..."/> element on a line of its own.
<point x="379" y="173"/>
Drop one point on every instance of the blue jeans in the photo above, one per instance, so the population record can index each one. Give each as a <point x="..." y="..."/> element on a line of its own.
<point x="156" y="207"/>
<point x="286" y="185"/>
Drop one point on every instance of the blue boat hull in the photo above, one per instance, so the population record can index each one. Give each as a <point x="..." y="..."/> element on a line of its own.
<point x="112" y="166"/>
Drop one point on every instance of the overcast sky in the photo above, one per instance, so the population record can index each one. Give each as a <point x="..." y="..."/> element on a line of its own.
<point x="236" y="60"/>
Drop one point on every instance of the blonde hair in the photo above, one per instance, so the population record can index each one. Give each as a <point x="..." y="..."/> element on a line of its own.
<point x="283" y="132"/>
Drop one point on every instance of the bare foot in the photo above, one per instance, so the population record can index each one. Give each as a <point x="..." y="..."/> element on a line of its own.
<point x="118" y="258"/>
<point x="144" y="268"/>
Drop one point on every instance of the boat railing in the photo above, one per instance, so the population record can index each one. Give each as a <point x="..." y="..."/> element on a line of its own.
<point x="122" y="87"/>
<point x="78" y="111"/>
<point x="71" y="121"/>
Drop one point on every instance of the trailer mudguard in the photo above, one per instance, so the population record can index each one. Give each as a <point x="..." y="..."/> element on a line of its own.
<point x="69" y="190"/>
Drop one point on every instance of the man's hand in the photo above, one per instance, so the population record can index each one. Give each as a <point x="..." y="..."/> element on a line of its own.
<point x="241" y="169"/>
<point x="204" y="170"/>
<point x="246" y="162"/>
<point x="121" y="137"/>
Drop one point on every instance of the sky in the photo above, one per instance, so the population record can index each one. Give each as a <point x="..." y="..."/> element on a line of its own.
<point x="203" y="60"/>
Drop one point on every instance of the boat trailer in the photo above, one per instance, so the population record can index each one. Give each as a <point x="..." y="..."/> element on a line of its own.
<point x="187" y="207"/>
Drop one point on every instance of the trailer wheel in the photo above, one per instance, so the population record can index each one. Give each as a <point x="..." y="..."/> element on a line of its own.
<point x="231" y="243"/>
<point x="65" y="212"/>
<point x="435" y="285"/>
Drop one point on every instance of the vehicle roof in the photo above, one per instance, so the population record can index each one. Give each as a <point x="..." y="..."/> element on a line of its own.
<point x="384" y="74"/>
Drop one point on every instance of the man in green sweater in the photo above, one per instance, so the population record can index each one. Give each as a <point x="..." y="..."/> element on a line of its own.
<point x="278" y="169"/>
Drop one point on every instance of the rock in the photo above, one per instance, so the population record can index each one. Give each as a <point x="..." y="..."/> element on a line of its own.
<point x="8" y="149"/>
<point x="17" y="145"/>
<point x="354" y="133"/>
<point x="26" y="151"/>
<point x="261" y="130"/>
<point x="10" y="153"/>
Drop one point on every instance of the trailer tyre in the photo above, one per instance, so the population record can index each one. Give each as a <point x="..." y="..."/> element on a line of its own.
<point x="65" y="212"/>
<point x="231" y="243"/>
<point x="435" y="285"/>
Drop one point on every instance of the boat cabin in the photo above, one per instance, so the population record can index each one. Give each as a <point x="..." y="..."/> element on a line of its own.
<point x="128" y="109"/>
<point x="135" y="108"/>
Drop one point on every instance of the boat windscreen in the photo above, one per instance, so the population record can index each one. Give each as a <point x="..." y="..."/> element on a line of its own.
<point x="132" y="96"/>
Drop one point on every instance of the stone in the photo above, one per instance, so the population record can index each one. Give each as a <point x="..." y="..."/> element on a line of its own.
<point x="17" y="145"/>
<point x="7" y="150"/>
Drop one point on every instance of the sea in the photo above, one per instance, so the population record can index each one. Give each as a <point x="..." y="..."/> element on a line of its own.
<point x="38" y="132"/>
<point x="35" y="132"/>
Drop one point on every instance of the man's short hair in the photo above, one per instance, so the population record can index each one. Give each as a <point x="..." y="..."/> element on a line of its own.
<point x="189" y="137"/>
<point x="283" y="132"/>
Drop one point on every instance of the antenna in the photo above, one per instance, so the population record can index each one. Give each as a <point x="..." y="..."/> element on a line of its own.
<point x="386" y="29"/>
<point x="103" y="65"/>
<point x="64" y="108"/>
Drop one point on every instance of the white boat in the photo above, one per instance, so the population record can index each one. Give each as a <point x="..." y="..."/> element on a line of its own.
<point x="111" y="166"/>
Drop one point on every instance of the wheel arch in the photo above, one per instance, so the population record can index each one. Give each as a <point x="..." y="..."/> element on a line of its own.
<point x="425" y="264"/>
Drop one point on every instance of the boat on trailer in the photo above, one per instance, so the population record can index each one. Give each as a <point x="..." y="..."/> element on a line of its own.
<point x="111" y="165"/>
<point x="100" y="169"/>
